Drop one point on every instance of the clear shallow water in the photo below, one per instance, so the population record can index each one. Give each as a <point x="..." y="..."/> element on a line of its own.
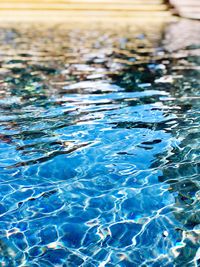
<point x="99" y="143"/>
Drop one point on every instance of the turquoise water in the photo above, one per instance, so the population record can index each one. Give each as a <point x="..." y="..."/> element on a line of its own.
<point x="99" y="147"/>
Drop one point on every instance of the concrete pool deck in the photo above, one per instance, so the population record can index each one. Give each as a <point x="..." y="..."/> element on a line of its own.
<point x="78" y="10"/>
<point x="96" y="10"/>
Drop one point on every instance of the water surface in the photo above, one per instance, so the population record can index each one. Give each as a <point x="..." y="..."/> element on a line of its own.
<point x="99" y="146"/>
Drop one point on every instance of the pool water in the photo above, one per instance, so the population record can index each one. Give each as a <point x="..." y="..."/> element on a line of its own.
<point x="99" y="146"/>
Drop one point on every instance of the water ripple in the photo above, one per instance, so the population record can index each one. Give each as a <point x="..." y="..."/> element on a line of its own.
<point x="99" y="145"/>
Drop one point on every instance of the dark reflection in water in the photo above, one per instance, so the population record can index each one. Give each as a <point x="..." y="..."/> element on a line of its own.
<point x="99" y="143"/>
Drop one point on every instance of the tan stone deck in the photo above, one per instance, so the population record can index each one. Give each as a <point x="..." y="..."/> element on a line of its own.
<point x="92" y="10"/>
<point x="70" y="10"/>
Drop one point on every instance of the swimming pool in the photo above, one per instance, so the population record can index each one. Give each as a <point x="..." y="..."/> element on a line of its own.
<point x="99" y="146"/>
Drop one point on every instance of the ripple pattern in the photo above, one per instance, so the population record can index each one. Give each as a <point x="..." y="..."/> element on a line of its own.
<point x="99" y="148"/>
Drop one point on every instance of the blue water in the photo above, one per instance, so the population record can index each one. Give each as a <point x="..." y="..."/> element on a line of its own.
<point x="99" y="148"/>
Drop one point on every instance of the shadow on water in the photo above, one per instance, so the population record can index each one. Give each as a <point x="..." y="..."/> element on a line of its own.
<point x="99" y="147"/>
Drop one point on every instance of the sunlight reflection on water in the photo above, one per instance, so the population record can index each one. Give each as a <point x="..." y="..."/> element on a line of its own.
<point x="99" y="143"/>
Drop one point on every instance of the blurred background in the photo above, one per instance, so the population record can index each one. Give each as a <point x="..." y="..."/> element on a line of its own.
<point x="51" y="10"/>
